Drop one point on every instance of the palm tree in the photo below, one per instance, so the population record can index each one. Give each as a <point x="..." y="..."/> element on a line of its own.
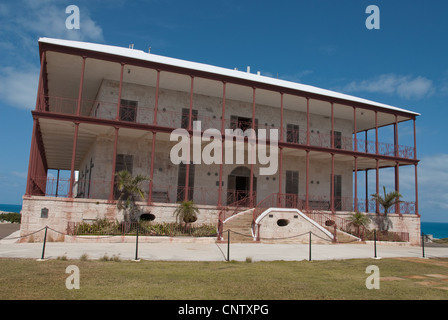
<point x="388" y="200"/>
<point x="186" y="212"/>
<point x="130" y="191"/>
<point x="358" y="220"/>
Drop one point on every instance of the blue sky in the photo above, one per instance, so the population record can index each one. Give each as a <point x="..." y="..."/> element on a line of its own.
<point x="324" y="43"/>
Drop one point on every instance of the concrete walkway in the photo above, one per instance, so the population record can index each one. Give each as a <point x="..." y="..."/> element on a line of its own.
<point x="178" y="251"/>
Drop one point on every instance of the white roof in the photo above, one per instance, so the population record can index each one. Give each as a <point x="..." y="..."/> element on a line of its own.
<point x="141" y="55"/>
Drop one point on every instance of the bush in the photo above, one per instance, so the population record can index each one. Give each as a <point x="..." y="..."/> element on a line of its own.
<point x="148" y="228"/>
<point x="12" y="217"/>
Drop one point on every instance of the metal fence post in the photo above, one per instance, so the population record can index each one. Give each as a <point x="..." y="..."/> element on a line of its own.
<point x="309" y="259"/>
<point x="228" y="245"/>
<point x="45" y="241"/>
<point x="374" y="242"/>
<point x="136" y="246"/>
<point x="423" y="244"/>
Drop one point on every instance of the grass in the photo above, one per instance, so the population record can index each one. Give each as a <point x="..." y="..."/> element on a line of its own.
<point x="279" y="280"/>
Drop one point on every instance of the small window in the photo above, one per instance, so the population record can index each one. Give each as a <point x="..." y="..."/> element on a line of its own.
<point x="128" y="110"/>
<point x="292" y="133"/>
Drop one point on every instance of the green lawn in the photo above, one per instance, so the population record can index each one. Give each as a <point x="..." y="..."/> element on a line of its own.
<point x="279" y="280"/>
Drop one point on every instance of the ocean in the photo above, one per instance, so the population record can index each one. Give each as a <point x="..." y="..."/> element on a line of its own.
<point x="10" y="207"/>
<point x="437" y="229"/>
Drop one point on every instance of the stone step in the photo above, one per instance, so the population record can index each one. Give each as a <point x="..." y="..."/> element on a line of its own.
<point x="240" y="227"/>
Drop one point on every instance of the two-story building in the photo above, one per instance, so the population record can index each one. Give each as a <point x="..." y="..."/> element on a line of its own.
<point x="101" y="109"/>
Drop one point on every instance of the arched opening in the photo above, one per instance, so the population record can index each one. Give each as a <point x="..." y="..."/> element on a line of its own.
<point x="238" y="186"/>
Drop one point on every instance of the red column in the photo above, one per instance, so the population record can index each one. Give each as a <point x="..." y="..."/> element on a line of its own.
<point x="367" y="190"/>
<point x="72" y="167"/>
<point x="31" y="160"/>
<point x="222" y="142"/>
<point x="190" y="117"/>
<point x="416" y="191"/>
<point x="120" y="86"/>
<point x="396" y="147"/>
<point x="114" y="162"/>
<point x="397" y="185"/>
<point x="280" y="175"/>
<point x="415" y="142"/>
<point x="151" y="167"/>
<point x="251" y="183"/>
<point x="156" y="104"/>
<point x="41" y="85"/>
<point x="376" y="132"/>
<point x="332" y="126"/>
<point x="354" y="128"/>
<point x="81" y="83"/>
<point x="356" y="184"/>
<point x="307" y="121"/>
<point x="307" y="179"/>
<point x="377" y="184"/>
<point x="332" y="185"/>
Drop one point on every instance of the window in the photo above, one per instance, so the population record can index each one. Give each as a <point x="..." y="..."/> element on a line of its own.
<point x="292" y="182"/>
<point x="292" y="133"/>
<point x="186" y="116"/>
<point x="128" y="110"/>
<point x="242" y="123"/>
<point x="337" y="192"/>
<point x="181" y="179"/>
<point x="337" y="136"/>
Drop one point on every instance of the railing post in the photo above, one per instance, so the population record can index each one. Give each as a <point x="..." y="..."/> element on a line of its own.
<point x="228" y="245"/>
<point x="374" y="243"/>
<point x="309" y="258"/>
<point x="43" y="247"/>
<point x="136" y="245"/>
<point x="423" y="245"/>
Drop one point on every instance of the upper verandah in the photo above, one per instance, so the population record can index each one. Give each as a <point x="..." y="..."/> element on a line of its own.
<point x="126" y="55"/>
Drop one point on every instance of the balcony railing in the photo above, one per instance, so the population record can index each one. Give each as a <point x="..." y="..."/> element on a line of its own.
<point x="173" y="119"/>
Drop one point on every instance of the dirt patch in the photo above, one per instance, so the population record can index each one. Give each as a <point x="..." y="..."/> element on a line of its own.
<point x="7" y="228"/>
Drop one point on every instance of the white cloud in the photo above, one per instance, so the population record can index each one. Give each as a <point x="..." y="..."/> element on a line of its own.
<point x="433" y="182"/>
<point x="404" y="86"/>
<point x="47" y="18"/>
<point x="19" y="88"/>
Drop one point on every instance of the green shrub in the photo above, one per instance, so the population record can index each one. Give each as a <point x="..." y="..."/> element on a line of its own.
<point x="12" y="217"/>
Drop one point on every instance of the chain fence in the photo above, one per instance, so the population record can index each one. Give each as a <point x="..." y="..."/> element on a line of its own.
<point x="309" y="236"/>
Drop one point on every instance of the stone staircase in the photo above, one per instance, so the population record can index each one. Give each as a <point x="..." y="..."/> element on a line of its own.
<point x="240" y="226"/>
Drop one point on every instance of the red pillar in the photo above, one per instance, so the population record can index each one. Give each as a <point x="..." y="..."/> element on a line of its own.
<point x="356" y="184"/>
<point x="151" y="167"/>
<point x="114" y="162"/>
<point x="280" y="175"/>
<point x="397" y="185"/>
<point x="307" y="180"/>
<point x="396" y="147"/>
<point x="377" y="184"/>
<point x="416" y="191"/>
<point x="32" y="159"/>
<point x="222" y="142"/>
<point x="156" y="104"/>
<point x="354" y="128"/>
<point x="81" y="83"/>
<point x="72" y="167"/>
<point x="332" y="126"/>
<point x="367" y="190"/>
<point x="307" y="121"/>
<point x="332" y="185"/>
<point x="376" y="132"/>
<point x="190" y="117"/>
<point x="40" y="87"/>
<point x="120" y="86"/>
<point x="251" y="183"/>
